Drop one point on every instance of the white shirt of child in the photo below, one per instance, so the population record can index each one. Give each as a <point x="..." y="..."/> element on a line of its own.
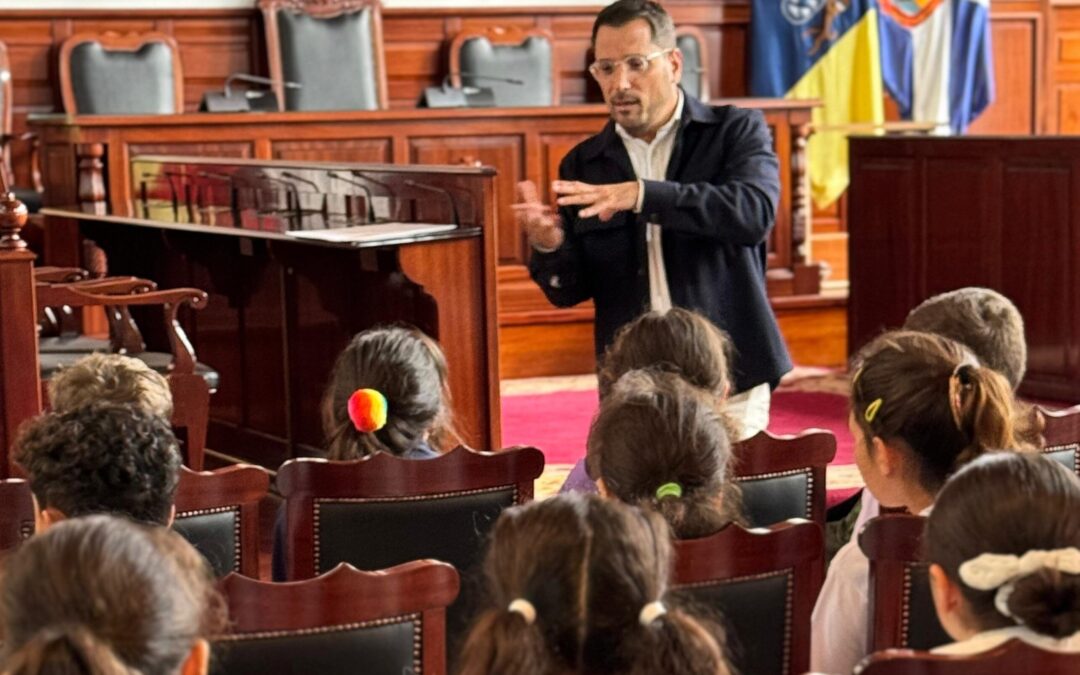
<point x="840" y="624"/>
<point x="992" y="638"/>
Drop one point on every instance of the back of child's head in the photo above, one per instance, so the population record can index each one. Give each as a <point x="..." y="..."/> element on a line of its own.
<point x="578" y="584"/>
<point x="984" y="321"/>
<point x="1024" y="511"/>
<point x="660" y="442"/>
<point x="102" y="458"/>
<point x="680" y="341"/>
<point x="101" y="595"/>
<point x="409" y="372"/>
<point x="110" y="378"/>
<point x="930" y="393"/>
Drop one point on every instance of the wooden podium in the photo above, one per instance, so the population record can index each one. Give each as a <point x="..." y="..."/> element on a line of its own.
<point x="295" y="264"/>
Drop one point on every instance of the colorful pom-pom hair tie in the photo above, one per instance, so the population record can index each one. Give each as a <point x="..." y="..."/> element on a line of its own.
<point x="367" y="410"/>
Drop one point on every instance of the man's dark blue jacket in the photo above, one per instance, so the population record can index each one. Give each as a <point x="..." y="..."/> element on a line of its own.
<point x="715" y="210"/>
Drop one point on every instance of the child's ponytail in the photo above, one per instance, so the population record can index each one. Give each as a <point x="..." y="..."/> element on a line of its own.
<point x="678" y="643"/>
<point x="504" y="641"/>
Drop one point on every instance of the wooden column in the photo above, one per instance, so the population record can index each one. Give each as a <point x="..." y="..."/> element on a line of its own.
<point x="20" y="387"/>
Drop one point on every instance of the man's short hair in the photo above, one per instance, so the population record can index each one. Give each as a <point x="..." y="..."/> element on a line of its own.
<point x="102" y="458"/>
<point x="110" y="378"/>
<point x="622" y="12"/>
<point x="984" y="321"/>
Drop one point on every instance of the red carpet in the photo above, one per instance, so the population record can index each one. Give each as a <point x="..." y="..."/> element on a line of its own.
<point x="558" y="423"/>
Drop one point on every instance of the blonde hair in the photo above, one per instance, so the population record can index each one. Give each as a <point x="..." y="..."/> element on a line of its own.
<point x="110" y="378"/>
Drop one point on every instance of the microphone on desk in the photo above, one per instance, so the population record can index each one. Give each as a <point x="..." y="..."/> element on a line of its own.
<point x="245" y="100"/>
<point x="448" y="96"/>
<point x="446" y="193"/>
<point x="300" y="179"/>
<point x="366" y="190"/>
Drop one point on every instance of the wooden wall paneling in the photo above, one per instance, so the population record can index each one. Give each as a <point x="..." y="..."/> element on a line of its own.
<point x="1064" y="58"/>
<point x="507" y="152"/>
<point x="887" y="239"/>
<point x="373" y="150"/>
<point x="1017" y="43"/>
<point x="1041" y="196"/>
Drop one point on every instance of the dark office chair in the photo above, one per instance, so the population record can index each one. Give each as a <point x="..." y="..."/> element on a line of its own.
<point x="111" y="74"/>
<point x="333" y="49"/>
<point x="695" y="75"/>
<point x="487" y="57"/>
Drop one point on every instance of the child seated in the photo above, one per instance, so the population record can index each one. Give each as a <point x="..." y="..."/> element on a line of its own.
<point x="678" y="341"/>
<point x="388" y="392"/>
<point x="660" y="443"/>
<point x="921" y="408"/>
<point x="100" y="594"/>
<point x="100" y="458"/>
<point x="1003" y="541"/>
<point x="578" y="584"/>
<point x="110" y="378"/>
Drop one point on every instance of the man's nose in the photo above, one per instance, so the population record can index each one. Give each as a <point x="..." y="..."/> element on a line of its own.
<point x="620" y="80"/>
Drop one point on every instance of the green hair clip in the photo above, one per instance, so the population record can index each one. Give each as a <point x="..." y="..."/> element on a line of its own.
<point x="872" y="410"/>
<point x="669" y="490"/>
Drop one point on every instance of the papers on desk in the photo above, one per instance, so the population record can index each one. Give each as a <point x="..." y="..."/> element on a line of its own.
<point x="373" y="232"/>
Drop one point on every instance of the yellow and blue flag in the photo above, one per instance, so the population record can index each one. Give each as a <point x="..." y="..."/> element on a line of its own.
<point x="823" y="49"/>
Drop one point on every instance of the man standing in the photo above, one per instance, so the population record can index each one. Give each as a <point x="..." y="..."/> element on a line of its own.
<point x="669" y="205"/>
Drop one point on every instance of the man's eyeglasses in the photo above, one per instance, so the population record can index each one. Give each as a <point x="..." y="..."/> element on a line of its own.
<point x="636" y="64"/>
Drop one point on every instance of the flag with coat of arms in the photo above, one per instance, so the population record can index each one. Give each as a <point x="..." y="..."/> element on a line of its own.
<point x="936" y="60"/>
<point x="826" y="50"/>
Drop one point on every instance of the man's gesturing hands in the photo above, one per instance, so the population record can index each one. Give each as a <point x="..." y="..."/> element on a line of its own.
<point x="543" y="226"/>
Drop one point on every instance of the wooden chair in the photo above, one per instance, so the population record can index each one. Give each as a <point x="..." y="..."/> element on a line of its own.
<point x="695" y="76"/>
<point x="31" y="197"/>
<point x="16" y="513"/>
<point x="112" y="74"/>
<point x="783" y="477"/>
<point x="332" y="48"/>
<point x="1014" y="656"/>
<point x="1062" y="434"/>
<point x="382" y="511"/>
<point x="190" y="382"/>
<point x="902" y="611"/>
<point x="345" y="621"/>
<point x="481" y="57"/>
<point x="218" y="512"/>
<point x="764" y="583"/>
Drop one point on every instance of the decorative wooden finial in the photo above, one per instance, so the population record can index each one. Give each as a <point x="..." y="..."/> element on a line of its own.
<point x="13" y="216"/>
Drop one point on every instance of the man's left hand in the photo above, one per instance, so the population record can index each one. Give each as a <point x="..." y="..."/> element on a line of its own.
<point x="603" y="201"/>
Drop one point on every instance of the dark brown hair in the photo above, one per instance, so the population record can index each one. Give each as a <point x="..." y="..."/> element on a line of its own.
<point x="588" y="566"/>
<point x="1007" y="503"/>
<point x="409" y="369"/>
<point x="984" y="321"/>
<point x="679" y="341"/>
<point x="654" y="429"/>
<point x="100" y="594"/>
<point x="932" y="398"/>
<point x="102" y="458"/>
<point x="622" y="12"/>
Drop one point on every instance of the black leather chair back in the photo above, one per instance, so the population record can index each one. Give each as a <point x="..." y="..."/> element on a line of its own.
<point x="333" y="60"/>
<point x="373" y="534"/>
<point x="1066" y="455"/>
<point x="921" y="629"/>
<point x="748" y="608"/>
<point x="772" y="499"/>
<point x="121" y="82"/>
<point x="693" y="65"/>
<point x="215" y="533"/>
<point x="375" y="648"/>
<point x="529" y="62"/>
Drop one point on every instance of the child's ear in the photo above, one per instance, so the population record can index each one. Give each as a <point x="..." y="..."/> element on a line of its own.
<point x="888" y="458"/>
<point x="948" y="601"/>
<point x="198" y="660"/>
<point x="44" y="518"/>
<point x="602" y="488"/>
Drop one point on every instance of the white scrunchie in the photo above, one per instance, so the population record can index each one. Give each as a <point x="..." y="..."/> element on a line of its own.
<point x="524" y="608"/>
<point x="651" y="612"/>
<point x="997" y="570"/>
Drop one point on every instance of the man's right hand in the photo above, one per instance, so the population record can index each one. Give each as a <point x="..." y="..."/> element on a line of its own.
<point x="540" y="223"/>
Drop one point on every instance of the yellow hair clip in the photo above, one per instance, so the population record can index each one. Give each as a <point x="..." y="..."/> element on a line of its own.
<point x="872" y="410"/>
